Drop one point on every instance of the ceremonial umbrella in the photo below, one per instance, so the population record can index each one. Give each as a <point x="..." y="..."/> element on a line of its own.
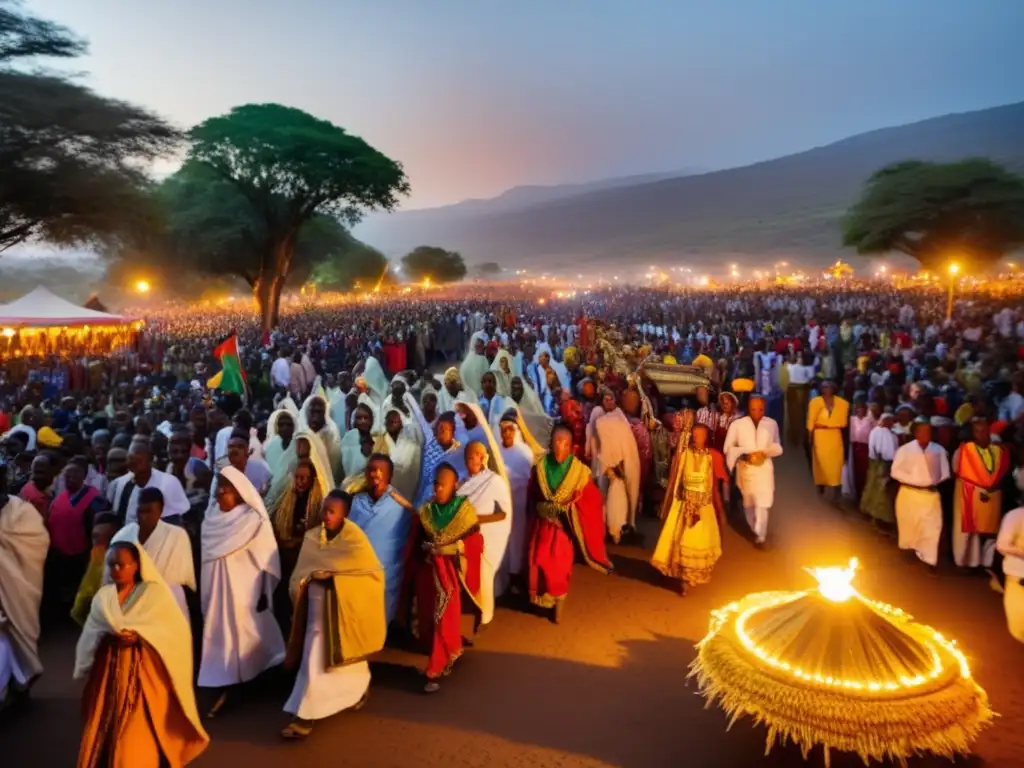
<point x="829" y="666"/>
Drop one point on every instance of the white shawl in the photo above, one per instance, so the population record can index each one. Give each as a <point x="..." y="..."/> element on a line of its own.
<point x="329" y="434"/>
<point x="247" y="526"/>
<point x="24" y="543"/>
<point x="475" y="365"/>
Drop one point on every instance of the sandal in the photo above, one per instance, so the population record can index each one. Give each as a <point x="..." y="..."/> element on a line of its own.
<point x="218" y="705"/>
<point x="296" y="730"/>
<point x="432" y="687"/>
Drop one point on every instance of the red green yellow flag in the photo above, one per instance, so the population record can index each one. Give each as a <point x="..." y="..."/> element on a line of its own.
<point x="232" y="376"/>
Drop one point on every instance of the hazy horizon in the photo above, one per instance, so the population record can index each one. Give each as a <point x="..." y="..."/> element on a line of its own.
<point x="476" y="98"/>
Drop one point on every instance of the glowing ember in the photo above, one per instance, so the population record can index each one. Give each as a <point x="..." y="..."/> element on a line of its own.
<point x="836" y="584"/>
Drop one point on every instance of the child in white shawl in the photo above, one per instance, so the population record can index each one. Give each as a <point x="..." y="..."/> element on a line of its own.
<point x="241" y="567"/>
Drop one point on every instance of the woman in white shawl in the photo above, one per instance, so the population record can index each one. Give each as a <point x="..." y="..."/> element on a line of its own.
<point x="320" y="424"/>
<point x="615" y="462"/>
<point x="241" y="567"/>
<point x="364" y="424"/>
<point x="530" y="406"/>
<point x="486" y="485"/>
<point x="475" y="365"/>
<point x="453" y="388"/>
<point x="503" y="369"/>
<point x="136" y="649"/>
<point x="24" y="543"/>
<point x="544" y="359"/>
<point x="519" y="456"/>
<point x="376" y="381"/>
<point x="280" y="433"/>
<point x="401" y="440"/>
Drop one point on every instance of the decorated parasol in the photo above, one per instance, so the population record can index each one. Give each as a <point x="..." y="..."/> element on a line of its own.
<point x="829" y="666"/>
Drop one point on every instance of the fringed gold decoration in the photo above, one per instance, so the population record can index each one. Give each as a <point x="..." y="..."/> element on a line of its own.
<point x="850" y="674"/>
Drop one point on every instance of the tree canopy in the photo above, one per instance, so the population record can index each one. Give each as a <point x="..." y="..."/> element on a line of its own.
<point x="968" y="210"/>
<point x="73" y="161"/>
<point x="289" y="168"/>
<point x="428" y="262"/>
<point x="208" y="228"/>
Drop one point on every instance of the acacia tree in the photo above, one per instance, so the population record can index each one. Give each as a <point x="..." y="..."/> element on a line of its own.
<point x="291" y="167"/>
<point x="208" y="229"/>
<point x="971" y="209"/>
<point x="428" y="262"/>
<point x="71" y="161"/>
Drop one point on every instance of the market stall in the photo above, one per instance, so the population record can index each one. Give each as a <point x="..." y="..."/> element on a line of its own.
<point x="42" y="323"/>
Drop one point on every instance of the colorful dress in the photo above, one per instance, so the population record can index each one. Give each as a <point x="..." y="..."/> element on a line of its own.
<point x="690" y="542"/>
<point x="439" y="582"/>
<point x="566" y="510"/>
<point x="825" y="426"/>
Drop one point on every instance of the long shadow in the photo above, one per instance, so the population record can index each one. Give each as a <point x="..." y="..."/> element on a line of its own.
<point x="640" y="713"/>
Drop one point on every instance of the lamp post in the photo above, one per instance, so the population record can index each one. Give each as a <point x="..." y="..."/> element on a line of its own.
<point x="954" y="268"/>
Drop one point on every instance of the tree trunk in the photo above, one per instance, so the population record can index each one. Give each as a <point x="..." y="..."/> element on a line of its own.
<point x="270" y="284"/>
<point x="263" y="292"/>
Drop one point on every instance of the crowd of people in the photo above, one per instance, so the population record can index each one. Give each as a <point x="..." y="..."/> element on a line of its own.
<point x="350" y="499"/>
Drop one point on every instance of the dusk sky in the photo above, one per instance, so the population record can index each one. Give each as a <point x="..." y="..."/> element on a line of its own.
<point x="476" y="96"/>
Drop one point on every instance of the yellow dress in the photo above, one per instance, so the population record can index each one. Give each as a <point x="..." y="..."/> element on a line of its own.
<point x="826" y="434"/>
<point x="689" y="552"/>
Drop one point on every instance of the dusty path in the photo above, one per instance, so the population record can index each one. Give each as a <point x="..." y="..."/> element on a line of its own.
<point x="608" y="688"/>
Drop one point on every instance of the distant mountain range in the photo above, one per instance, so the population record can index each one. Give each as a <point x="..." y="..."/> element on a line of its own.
<point x="787" y="207"/>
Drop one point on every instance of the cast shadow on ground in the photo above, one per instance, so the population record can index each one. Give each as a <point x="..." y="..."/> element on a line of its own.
<point x="642" y="713"/>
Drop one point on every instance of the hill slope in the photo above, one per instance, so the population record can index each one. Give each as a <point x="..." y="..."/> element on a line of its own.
<point x="791" y="205"/>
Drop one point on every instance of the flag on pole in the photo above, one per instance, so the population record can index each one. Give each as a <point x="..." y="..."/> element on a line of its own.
<point x="232" y="376"/>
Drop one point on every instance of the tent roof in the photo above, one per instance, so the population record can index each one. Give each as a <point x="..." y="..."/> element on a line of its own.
<point x="41" y="308"/>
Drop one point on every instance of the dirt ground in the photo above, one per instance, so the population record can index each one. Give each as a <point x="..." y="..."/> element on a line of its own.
<point x="606" y="688"/>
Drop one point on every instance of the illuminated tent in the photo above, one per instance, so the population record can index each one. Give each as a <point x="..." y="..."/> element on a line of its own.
<point x="44" y="309"/>
<point x="829" y="666"/>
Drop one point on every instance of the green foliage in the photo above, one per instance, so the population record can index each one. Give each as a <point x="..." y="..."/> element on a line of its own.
<point x="354" y="265"/>
<point x="427" y="262"/>
<point x="290" y="168"/>
<point x="968" y="210"/>
<point x="489" y="269"/>
<point x="71" y="159"/>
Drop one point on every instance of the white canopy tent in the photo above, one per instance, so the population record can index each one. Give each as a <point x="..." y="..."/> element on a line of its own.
<point x="43" y="309"/>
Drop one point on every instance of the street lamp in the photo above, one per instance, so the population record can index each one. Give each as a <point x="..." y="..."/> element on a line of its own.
<point x="953" y="270"/>
<point x="142" y="286"/>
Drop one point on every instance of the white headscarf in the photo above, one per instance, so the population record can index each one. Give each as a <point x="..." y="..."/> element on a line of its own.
<point x="247" y="527"/>
<point x="375" y="380"/>
<point x="273" y="449"/>
<point x="329" y="435"/>
<point x="503" y="379"/>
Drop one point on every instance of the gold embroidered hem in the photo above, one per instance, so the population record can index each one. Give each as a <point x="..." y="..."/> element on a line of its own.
<point x="688" y="552"/>
<point x="546" y="601"/>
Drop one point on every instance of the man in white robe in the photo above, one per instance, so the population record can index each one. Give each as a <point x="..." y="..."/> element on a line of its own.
<point x="24" y="543"/>
<point x="750" y="445"/>
<point x="919" y="467"/>
<point x="1010" y="544"/>
<point x="167" y="545"/>
<point x="123" y="493"/>
<point x="241" y="568"/>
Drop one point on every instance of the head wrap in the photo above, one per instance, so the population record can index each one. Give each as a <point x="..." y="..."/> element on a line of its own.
<point x="742" y="385"/>
<point x="48" y="438"/>
<point x="451" y="376"/>
<point x="571" y="357"/>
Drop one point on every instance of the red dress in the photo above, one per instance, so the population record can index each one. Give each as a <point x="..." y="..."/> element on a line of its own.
<point x="560" y="520"/>
<point x="439" y="582"/>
